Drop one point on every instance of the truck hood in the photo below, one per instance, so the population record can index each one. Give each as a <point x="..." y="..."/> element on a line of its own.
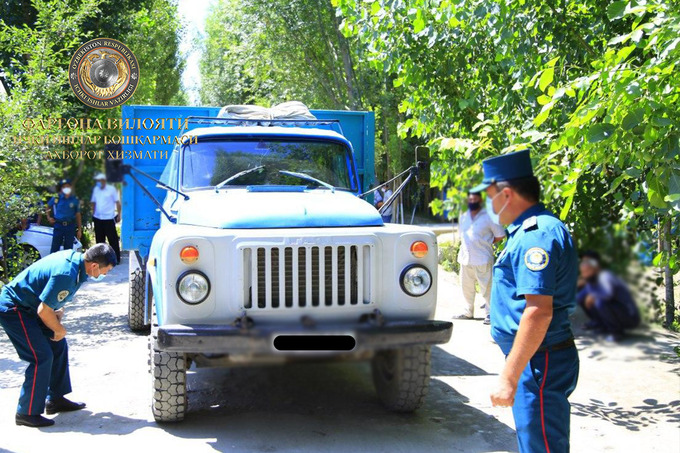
<point x="240" y="208"/>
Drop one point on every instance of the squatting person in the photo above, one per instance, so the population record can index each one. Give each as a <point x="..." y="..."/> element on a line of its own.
<point x="606" y="299"/>
<point x="533" y="293"/>
<point x="31" y="309"/>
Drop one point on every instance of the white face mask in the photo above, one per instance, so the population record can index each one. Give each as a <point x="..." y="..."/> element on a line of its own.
<point x="66" y="190"/>
<point x="495" y="218"/>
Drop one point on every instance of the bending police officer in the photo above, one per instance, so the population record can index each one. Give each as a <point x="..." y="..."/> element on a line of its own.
<point x="31" y="309"/>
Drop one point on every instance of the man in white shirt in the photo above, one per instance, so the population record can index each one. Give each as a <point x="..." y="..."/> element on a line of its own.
<point x="105" y="204"/>
<point x="478" y="233"/>
<point x="381" y="196"/>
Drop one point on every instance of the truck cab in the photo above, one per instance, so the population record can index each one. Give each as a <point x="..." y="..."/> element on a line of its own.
<point x="265" y="252"/>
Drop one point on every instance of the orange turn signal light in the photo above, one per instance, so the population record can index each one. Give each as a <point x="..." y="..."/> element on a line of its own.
<point x="189" y="254"/>
<point x="419" y="249"/>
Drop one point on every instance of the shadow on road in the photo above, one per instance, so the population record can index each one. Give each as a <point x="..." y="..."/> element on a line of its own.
<point x="334" y="403"/>
<point x="445" y="364"/>
<point x="108" y="423"/>
<point x="651" y="412"/>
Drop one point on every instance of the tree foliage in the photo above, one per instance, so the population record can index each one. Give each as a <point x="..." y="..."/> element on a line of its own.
<point x="37" y="40"/>
<point x="588" y="86"/>
<point x="266" y="52"/>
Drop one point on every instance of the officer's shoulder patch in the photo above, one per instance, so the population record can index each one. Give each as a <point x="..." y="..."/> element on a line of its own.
<point x="536" y="259"/>
<point x="62" y="295"/>
<point x="530" y="224"/>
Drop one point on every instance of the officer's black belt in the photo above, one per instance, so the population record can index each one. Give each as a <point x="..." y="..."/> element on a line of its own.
<point x="65" y="222"/>
<point x="566" y="344"/>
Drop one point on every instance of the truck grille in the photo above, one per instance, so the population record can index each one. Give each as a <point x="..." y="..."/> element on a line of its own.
<point x="307" y="276"/>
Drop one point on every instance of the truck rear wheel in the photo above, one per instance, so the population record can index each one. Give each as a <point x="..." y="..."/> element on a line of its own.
<point x="169" y="401"/>
<point x="136" y="301"/>
<point x="402" y="377"/>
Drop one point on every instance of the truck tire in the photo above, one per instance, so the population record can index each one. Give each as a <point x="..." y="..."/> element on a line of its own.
<point x="136" y="302"/>
<point x="402" y="377"/>
<point x="169" y="377"/>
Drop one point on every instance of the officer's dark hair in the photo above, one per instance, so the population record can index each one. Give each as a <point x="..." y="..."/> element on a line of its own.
<point x="102" y="254"/>
<point x="528" y="188"/>
<point x="474" y="193"/>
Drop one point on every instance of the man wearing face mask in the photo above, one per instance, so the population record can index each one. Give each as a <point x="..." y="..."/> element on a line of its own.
<point x="63" y="211"/>
<point x="31" y="310"/>
<point x="475" y="256"/>
<point x="105" y="202"/>
<point x="533" y="293"/>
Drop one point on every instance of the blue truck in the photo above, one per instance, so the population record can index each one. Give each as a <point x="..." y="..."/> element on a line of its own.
<point x="250" y="242"/>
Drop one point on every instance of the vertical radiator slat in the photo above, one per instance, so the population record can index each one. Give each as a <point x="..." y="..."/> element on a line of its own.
<point x="322" y="277"/>
<point x="267" y="277"/>
<point x="253" y="275"/>
<point x="296" y="279"/>
<point x="348" y="275"/>
<point x="334" y="275"/>
<point x="360" y="275"/>
<point x="308" y="276"/>
<point x="282" y="277"/>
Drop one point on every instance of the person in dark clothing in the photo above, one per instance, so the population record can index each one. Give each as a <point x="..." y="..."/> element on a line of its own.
<point x="63" y="211"/>
<point x="606" y="299"/>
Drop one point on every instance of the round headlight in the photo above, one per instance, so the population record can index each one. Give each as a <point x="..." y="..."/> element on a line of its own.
<point x="416" y="281"/>
<point x="193" y="287"/>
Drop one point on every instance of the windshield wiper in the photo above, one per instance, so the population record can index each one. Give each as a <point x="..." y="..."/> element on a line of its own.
<point x="236" y="176"/>
<point x="307" y="177"/>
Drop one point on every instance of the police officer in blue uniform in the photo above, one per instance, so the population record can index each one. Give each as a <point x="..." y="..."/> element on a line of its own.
<point x="31" y="309"/>
<point x="533" y="294"/>
<point x="63" y="211"/>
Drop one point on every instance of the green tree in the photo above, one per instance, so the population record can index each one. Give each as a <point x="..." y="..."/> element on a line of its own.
<point x="37" y="40"/>
<point x="588" y="86"/>
<point x="266" y="52"/>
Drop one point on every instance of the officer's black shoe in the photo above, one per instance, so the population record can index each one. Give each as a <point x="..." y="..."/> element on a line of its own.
<point x="62" y="405"/>
<point x="34" y="421"/>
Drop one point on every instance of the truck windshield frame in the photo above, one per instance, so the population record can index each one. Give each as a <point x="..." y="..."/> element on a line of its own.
<point x="212" y="160"/>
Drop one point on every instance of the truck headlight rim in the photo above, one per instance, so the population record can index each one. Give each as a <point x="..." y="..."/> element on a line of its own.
<point x="190" y="273"/>
<point x="404" y="274"/>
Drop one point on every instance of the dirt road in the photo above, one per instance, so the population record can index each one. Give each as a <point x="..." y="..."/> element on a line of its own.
<point x="628" y="398"/>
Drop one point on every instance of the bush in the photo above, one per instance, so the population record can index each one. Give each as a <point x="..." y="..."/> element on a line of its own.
<point x="87" y="238"/>
<point x="448" y="256"/>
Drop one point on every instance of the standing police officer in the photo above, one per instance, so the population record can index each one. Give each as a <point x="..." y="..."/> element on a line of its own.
<point x="31" y="309"/>
<point x="63" y="212"/>
<point x="533" y="293"/>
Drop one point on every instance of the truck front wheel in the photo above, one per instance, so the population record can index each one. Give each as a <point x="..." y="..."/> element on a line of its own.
<point x="169" y="376"/>
<point x="402" y="377"/>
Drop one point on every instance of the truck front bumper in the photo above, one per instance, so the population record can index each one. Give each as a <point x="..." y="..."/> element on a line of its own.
<point x="211" y="339"/>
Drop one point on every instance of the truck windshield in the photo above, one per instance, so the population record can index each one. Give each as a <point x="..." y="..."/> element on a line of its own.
<point x="208" y="163"/>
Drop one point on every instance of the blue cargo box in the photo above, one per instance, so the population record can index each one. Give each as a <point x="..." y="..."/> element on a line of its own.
<point x="141" y="218"/>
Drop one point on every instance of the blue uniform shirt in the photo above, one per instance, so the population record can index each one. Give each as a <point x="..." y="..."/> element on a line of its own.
<point x="64" y="209"/>
<point x="52" y="280"/>
<point x="539" y="258"/>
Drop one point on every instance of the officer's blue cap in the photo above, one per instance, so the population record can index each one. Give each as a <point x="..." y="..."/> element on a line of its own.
<point x="64" y="181"/>
<point x="504" y="168"/>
